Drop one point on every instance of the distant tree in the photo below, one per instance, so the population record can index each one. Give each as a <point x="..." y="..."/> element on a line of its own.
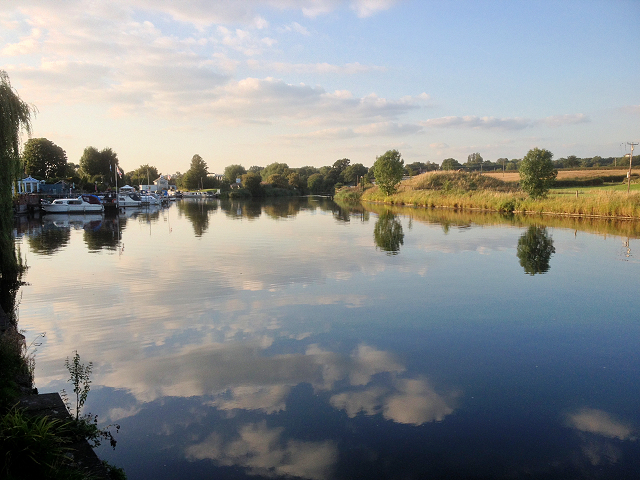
<point x="417" y="168"/>
<point x="571" y="161"/>
<point x="340" y="166"/>
<point x="388" y="170"/>
<point x="194" y="177"/>
<point x="232" y="172"/>
<point x="143" y="175"/>
<point x="280" y="168"/>
<point x="306" y="171"/>
<point x="278" y="180"/>
<point x="596" y="161"/>
<point x="102" y="163"/>
<point x="537" y="173"/>
<point x="255" y="169"/>
<point x="474" y="159"/>
<point x="252" y="181"/>
<point x="450" y="164"/>
<point x="353" y="172"/>
<point x="315" y="183"/>
<point x="44" y="159"/>
<point x="296" y="181"/>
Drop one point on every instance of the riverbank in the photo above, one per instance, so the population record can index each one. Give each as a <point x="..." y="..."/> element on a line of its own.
<point x="472" y="191"/>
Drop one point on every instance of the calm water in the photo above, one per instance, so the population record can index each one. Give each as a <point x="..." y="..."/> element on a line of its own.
<point x="298" y="339"/>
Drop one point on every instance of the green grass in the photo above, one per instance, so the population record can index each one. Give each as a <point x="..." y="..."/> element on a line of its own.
<point x="464" y="191"/>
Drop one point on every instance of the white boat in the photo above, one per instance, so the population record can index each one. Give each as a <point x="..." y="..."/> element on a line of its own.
<point x="82" y="204"/>
<point x="129" y="200"/>
<point x="150" y="199"/>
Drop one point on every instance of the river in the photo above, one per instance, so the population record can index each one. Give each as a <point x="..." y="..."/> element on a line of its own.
<point x="299" y="338"/>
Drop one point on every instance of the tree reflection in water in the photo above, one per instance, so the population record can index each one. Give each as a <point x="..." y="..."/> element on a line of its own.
<point x="535" y="248"/>
<point x="388" y="233"/>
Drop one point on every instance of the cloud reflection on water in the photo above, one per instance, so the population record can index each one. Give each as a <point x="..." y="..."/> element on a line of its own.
<point x="600" y="435"/>
<point x="263" y="451"/>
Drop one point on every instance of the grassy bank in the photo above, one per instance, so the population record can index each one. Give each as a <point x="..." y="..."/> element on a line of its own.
<point x="472" y="191"/>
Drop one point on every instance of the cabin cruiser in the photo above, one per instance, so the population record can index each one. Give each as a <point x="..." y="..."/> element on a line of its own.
<point x="129" y="200"/>
<point x="150" y="199"/>
<point x="82" y="204"/>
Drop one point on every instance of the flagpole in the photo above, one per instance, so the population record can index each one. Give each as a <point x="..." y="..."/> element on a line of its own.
<point x="117" y="196"/>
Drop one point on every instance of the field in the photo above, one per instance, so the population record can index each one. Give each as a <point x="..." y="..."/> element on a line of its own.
<point x="513" y="176"/>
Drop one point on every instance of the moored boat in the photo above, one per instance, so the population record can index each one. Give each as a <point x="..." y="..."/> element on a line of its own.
<point x="82" y="204"/>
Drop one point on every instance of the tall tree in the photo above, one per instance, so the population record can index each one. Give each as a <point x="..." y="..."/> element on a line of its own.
<point x="194" y="177"/>
<point x="15" y="116"/>
<point x="101" y="163"/>
<point x="388" y="171"/>
<point x="44" y="159"/>
<point x="537" y="173"/>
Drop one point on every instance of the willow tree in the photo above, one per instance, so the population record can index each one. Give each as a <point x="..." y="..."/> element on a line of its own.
<point x="15" y="117"/>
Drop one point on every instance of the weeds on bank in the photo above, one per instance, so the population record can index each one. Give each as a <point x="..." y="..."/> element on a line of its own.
<point x="42" y="447"/>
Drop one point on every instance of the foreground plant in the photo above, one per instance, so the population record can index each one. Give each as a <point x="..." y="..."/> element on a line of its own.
<point x="86" y="426"/>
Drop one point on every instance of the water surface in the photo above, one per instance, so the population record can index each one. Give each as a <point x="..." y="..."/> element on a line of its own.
<point x="296" y="338"/>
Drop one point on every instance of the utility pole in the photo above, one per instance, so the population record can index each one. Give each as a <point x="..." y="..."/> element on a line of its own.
<point x="630" y="160"/>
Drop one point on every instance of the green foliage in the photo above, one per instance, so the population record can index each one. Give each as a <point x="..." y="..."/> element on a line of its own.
<point x="278" y="180"/>
<point x="15" y="117"/>
<point x="79" y="376"/>
<point x="450" y="164"/>
<point x="143" y="175"/>
<point x="273" y="168"/>
<point x="535" y="248"/>
<point x="458" y="181"/>
<point x="44" y="159"/>
<point x="537" y="173"/>
<point x="103" y="163"/>
<point x="388" y="171"/>
<point x="416" y="168"/>
<point x="41" y="447"/>
<point x="194" y="177"/>
<point x="297" y="182"/>
<point x="349" y="195"/>
<point x="353" y="173"/>
<point x="33" y="447"/>
<point x="475" y="159"/>
<point x="14" y="364"/>
<point x="315" y="183"/>
<point x="233" y="172"/>
<point x="252" y="181"/>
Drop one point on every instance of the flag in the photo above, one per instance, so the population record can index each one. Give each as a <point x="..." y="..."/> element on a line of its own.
<point x="119" y="170"/>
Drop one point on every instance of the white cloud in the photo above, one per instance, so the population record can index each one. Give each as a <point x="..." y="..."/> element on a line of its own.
<point x="471" y="121"/>
<point x="366" y="8"/>
<point x="570" y="119"/>
<point x="315" y="68"/>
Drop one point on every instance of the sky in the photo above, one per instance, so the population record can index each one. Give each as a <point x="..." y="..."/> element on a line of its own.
<point x="308" y="82"/>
